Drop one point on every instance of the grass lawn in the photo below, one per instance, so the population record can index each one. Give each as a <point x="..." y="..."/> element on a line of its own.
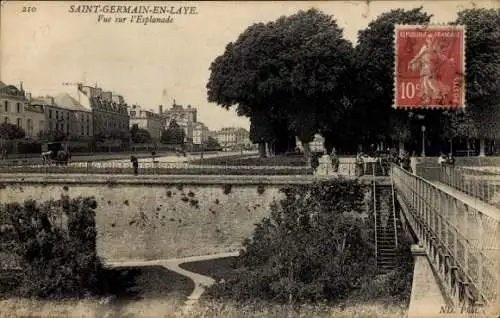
<point x="134" y="292"/>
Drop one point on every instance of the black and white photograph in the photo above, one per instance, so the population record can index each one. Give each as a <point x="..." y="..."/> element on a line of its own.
<point x="243" y="159"/>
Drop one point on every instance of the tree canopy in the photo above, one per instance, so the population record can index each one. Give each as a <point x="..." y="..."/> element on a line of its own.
<point x="298" y="76"/>
<point x="482" y="51"/>
<point x="9" y="131"/>
<point x="290" y="70"/>
<point x="374" y="79"/>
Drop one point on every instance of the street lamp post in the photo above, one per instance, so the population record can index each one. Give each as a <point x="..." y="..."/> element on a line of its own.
<point x="423" y="141"/>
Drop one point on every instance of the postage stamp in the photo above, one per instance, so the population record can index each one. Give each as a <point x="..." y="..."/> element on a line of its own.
<point x="429" y="67"/>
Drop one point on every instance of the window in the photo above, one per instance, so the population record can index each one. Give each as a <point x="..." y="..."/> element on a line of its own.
<point x="50" y="113"/>
<point x="57" y="114"/>
<point x="67" y="128"/>
<point x="18" y="107"/>
<point x="19" y="122"/>
<point x="6" y="120"/>
<point x="30" y="127"/>
<point x="67" y="115"/>
<point x="6" y="106"/>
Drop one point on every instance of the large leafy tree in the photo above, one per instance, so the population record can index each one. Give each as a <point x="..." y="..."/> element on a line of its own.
<point x="373" y="115"/>
<point x="482" y="49"/>
<point x="9" y="131"/>
<point x="289" y="71"/>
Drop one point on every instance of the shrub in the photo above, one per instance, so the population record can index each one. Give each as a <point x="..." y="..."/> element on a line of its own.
<point x="310" y="248"/>
<point x="56" y="244"/>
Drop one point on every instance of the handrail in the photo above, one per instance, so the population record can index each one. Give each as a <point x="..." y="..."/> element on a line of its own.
<point x="394" y="211"/>
<point x="375" y="214"/>
<point x="445" y="224"/>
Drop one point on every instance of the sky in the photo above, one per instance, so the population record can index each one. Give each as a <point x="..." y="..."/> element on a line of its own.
<point x="154" y="64"/>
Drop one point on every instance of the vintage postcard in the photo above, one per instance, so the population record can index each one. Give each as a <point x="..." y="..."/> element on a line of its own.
<point x="250" y="158"/>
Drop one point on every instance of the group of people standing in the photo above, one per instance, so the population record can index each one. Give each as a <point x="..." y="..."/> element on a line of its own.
<point x="365" y="162"/>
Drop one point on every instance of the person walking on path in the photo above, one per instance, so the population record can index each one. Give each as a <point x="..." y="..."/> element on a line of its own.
<point x="135" y="164"/>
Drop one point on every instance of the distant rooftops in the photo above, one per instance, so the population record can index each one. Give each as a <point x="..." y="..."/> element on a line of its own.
<point x="64" y="100"/>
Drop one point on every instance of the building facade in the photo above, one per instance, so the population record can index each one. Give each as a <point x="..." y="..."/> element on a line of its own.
<point x="200" y="134"/>
<point x="15" y="109"/>
<point x="110" y="117"/>
<point x="317" y="145"/>
<point x="64" y="116"/>
<point x="185" y="117"/>
<point x="231" y="137"/>
<point x="147" y="120"/>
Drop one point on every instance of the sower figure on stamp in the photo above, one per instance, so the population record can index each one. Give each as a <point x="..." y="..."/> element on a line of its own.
<point x="428" y="60"/>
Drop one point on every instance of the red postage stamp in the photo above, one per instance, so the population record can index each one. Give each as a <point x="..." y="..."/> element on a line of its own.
<point x="429" y="67"/>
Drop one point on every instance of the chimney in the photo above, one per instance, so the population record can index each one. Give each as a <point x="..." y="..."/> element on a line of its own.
<point x="28" y="97"/>
<point x="160" y="109"/>
<point x="21" y="86"/>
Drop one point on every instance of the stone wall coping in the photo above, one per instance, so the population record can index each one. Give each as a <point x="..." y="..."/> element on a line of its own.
<point x="93" y="179"/>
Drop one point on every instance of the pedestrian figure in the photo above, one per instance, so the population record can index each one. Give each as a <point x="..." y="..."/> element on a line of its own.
<point x="442" y="159"/>
<point x="335" y="160"/>
<point x="450" y="160"/>
<point x="359" y="164"/>
<point x="406" y="162"/>
<point x="314" y="162"/>
<point x="153" y="154"/>
<point x="135" y="164"/>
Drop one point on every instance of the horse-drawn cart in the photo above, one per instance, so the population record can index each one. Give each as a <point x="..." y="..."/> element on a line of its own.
<point x="55" y="153"/>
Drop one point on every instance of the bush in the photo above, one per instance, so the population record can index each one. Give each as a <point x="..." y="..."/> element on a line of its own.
<point x="55" y="242"/>
<point x="311" y="248"/>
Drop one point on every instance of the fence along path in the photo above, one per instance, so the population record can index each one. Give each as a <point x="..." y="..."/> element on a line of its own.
<point x="460" y="235"/>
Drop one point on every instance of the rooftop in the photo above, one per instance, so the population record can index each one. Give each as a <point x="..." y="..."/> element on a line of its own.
<point x="64" y="100"/>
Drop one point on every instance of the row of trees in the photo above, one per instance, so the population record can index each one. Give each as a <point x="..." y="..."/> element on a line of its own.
<point x="298" y="76"/>
<point x="173" y="135"/>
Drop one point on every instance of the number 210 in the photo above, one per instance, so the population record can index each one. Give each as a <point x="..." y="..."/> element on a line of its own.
<point x="408" y="90"/>
<point x="28" y="9"/>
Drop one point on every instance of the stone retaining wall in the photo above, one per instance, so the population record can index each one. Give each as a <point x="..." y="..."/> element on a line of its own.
<point x="146" y="218"/>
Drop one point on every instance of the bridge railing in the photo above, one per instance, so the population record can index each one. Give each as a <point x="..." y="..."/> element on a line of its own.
<point x="480" y="182"/>
<point x="461" y="238"/>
